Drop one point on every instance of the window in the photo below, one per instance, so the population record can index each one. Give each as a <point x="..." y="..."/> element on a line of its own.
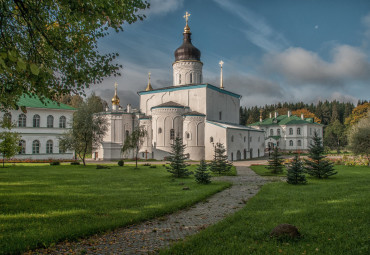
<point x="50" y="121"/>
<point x="271" y="132"/>
<point x="36" y="120"/>
<point x="35" y="147"/>
<point x="62" y="122"/>
<point x="299" y="143"/>
<point x="245" y="139"/>
<point x="278" y="131"/>
<point x="211" y="139"/>
<point x="22" y="145"/>
<point x="290" y="131"/>
<point x="220" y="115"/>
<point x="298" y="131"/>
<point x="250" y="139"/>
<point x="49" y="147"/>
<point x="310" y="131"/>
<point x="159" y="130"/>
<point x="22" y="120"/>
<point x="7" y="116"/>
<point x="259" y="138"/>
<point x="232" y="138"/>
<point x="187" y="135"/>
<point x="200" y="78"/>
<point x="291" y="143"/>
<point x="191" y="78"/>
<point x="179" y="78"/>
<point x="172" y="134"/>
<point x="127" y="134"/>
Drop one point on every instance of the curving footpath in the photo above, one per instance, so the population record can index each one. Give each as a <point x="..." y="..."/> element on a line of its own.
<point x="156" y="234"/>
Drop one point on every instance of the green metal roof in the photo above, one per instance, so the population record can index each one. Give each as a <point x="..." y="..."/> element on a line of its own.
<point x="284" y="120"/>
<point x="35" y="102"/>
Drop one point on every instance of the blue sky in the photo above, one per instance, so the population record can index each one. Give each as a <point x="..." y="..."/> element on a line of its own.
<point x="273" y="51"/>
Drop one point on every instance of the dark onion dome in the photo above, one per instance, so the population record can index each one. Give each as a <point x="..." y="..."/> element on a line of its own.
<point x="187" y="51"/>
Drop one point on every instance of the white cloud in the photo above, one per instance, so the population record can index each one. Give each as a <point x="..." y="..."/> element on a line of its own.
<point x="298" y="65"/>
<point x="257" y="30"/>
<point x="161" y="7"/>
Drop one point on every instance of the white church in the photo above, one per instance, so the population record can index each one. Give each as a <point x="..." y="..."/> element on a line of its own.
<point x="199" y="113"/>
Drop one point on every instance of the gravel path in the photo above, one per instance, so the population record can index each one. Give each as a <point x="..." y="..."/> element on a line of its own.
<point x="153" y="235"/>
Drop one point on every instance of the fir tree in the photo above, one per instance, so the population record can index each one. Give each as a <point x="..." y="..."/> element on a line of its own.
<point x="295" y="173"/>
<point x="275" y="162"/>
<point x="202" y="175"/>
<point x="177" y="167"/>
<point x="316" y="165"/>
<point x="220" y="164"/>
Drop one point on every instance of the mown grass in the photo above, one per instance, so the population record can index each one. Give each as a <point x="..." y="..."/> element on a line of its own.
<point x="263" y="171"/>
<point x="332" y="215"/>
<point x="42" y="204"/>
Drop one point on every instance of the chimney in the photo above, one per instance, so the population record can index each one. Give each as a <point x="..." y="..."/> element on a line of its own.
<point x="276" y="114"/>
<point x="128" y="108"/>
<point x="270" y="115"/>
<point x="302" y="116"/>
<point x="289" y="113"/>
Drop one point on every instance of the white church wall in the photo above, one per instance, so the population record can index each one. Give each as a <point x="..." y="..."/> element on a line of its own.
<point x="43" y="134"/>
<point x="227" y="111"/>
<point x="213" y="134"/>
<point x="187" y="72"/>
<point x="193" y="136"/>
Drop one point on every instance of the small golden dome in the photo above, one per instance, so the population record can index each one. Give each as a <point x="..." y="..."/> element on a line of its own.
<point x="149" y="87"/>
<point x="115" y="99"/>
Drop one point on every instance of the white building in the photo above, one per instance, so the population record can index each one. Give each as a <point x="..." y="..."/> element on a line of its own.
<point x="201" y="114"/>
<point x="40" y="127"/>
<point x="288" y="132"/>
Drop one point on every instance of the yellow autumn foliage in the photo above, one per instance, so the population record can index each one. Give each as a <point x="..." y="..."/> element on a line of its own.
<point x="306" y="114"/>
<point x="357" y="114"/>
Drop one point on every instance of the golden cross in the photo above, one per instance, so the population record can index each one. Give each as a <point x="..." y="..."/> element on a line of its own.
<point x="221" y="63"/>
<point x="149" y="75"/>
<point x="115" y="85"/>
<point x="186" y="16"/>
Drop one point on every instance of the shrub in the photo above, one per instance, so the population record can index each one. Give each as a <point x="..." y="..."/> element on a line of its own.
<point x="152" y="166"/>
<point x="55" y="163"/>
<point x="146" y="164"/>
<point x="120" y="162"/>
<point x="75" y="163"/>
<point x="102" y="167"/>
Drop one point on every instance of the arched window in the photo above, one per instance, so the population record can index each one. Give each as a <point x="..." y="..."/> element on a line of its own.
<point x="22" y="120"/>
<point x="22" y="147"/>
<point x="187" y="135"/>
<point x="271" y="131"/>
<point x="298" y="131"/>
<point x="291" y="143"/>
<point x="278" y="131"/>
<point x="250" y="139"/>
<point x="7" y="117"/>
<point x="36" y="120"/>
<point x="259" y="138"/>
<point x="50" y="121"/>
<point x="290" y="131"/>
<point x="232" y="138"/>
<point x="35" y="147"/>
<point x="211" y="139"/>
<point x="62" y="122"/>
<point x="191" y="78"/>
<point x="232" y="156"/>
<point x="179" y="78"/>
<point x="49" y="147"/>
<point x="159" y="130"/>
<point x="172" y="134"/>
<point x="127" y="134"/>
<point x="245" y="139"/>
<point x="299" y="143"/>
<point x="220" y="115"/>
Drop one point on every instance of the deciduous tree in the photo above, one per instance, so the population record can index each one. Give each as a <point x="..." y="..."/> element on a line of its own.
<point x="359" y="137"/>
<point x="134" y="141"/>
<point x="8" y="140"/>
<point x="51" y="47"/>
<point x="88" y="130"/>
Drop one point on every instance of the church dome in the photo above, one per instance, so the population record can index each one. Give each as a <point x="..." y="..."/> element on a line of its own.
<point x="187" y="51"/>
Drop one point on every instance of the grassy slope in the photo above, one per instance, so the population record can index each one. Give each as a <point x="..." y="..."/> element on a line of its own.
<point x="43" y="204"/>
<point x="332" y="215"/>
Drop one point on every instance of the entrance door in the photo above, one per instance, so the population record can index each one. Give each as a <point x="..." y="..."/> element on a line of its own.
<point x="238" y="155"/>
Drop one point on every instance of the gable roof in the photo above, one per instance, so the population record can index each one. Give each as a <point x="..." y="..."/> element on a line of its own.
<point x="284" y="120"/>
<point x="170" y="104"/>
<point x="35" y="102"/>
<point x="232" y="126"/>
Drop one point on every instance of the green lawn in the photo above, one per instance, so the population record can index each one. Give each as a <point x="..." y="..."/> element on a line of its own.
<point x="42" y="204"/>
<point x="333" y="215"/>
<point x="263" y="171"/>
